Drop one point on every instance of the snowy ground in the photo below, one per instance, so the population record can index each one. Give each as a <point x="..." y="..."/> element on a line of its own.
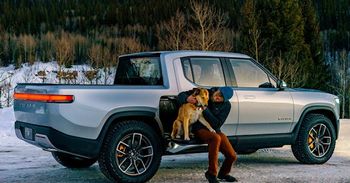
<point x="10" y="76"/>
<point x="21" y="162"/>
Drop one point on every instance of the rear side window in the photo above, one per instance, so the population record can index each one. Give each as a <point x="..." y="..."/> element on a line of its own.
<point x="139" y="71"/>
<point x="204" y="71"/>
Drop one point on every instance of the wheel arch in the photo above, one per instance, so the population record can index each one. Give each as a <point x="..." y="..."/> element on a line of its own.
<point x="324" y="110"/>
<point x="146" y="116"/>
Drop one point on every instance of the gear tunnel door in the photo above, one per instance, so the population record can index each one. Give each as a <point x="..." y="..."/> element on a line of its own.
<point x="168" y="110"/>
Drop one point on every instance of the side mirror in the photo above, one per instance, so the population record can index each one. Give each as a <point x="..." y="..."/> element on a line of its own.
<point x="266" y="85"/>
<point x="281" y="84"/>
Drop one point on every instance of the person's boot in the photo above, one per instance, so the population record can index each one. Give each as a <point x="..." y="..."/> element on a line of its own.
<point x="211" y="178"/>
<point x="227" y="178"/>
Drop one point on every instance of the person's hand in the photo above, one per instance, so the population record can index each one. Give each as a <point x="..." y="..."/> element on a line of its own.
<point x="191" y="99"/>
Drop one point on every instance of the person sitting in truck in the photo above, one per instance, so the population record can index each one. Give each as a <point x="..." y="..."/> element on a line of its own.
<point x="216" y="113"/>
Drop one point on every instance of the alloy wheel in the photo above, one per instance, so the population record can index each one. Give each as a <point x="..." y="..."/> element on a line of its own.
<point x="319" y="140"/>
<point x="134" y="154"/>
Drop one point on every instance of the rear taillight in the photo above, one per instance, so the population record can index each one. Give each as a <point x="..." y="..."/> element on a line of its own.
<point x="49" y="98"/>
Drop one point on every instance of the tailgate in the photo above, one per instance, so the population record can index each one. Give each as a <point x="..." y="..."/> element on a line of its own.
<point x="31" y="102"/>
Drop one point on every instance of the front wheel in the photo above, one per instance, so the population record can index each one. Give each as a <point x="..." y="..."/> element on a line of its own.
<point x="131" y="152"/>
<point x="71" y="161"/>
<point x="316" y="140"/>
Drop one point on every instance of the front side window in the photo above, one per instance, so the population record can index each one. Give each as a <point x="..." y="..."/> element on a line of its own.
<point x="139" y="71"/>
<point x="248" y="74"/>
<point x="204" y="71"/>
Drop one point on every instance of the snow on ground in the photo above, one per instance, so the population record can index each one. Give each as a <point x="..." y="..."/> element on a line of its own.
<point x="7" y="119"/>
<point x="7" y="132"/>
<point x="28" y="74"/>
<point x="22" y="162"/>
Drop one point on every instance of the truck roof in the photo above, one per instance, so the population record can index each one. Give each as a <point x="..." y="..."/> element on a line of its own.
<point x="184" y="53"/>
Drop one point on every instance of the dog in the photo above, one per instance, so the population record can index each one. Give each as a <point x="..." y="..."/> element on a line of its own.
<point x="190" y="113"/>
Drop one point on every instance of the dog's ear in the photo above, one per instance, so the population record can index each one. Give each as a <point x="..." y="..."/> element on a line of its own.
<point x="196" y="91"/>
<point x="206" y="93"/>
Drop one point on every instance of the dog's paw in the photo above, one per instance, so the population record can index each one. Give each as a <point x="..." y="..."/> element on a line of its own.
<point x="187" y="138"/>
<point x="212" y="130"/>
<point x="178" y="136"/>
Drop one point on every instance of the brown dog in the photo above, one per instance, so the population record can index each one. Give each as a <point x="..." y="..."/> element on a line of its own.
<point x="190" y="113"/>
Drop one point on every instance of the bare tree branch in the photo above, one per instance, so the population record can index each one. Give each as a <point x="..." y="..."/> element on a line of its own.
<point x="64" y="52"/>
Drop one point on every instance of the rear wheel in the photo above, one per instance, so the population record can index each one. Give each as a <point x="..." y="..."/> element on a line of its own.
<point x="71" y="161"/>
<point x="316" y="140"/>
<point x="131" y="152"/>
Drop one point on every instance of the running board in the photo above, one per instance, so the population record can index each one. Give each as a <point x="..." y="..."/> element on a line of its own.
<point x="175" y="148"/>
<point x="180" y="146"/>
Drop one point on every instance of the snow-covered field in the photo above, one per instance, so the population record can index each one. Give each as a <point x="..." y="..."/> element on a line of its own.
<point x="21" y="162"/>
<point x="7" y="119"/>
<point x="10" y="76"/>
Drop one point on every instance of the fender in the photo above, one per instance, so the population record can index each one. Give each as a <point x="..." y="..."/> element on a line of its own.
<point x="315" y="108"/>
<point x="130" y="113"/>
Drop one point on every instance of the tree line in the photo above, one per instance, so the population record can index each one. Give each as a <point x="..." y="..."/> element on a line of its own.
<point x="304" y="42"/>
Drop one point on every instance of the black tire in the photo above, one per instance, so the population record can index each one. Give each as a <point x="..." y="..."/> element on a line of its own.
<point x="131" y="152"/>
<point x="316" y="140"/>
<point x="71" y="161"/>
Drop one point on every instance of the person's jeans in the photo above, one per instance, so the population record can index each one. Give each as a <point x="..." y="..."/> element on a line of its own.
<point x="217" y="142"/>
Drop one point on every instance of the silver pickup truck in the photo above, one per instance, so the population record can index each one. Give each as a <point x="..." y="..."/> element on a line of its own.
<point x="126" y="126"/>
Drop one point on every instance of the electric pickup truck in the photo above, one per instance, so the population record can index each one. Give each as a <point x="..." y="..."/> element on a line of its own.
<point x="125" y="126"/>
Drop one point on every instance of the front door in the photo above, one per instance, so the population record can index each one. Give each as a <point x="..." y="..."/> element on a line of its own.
<point x="262" y="108"/>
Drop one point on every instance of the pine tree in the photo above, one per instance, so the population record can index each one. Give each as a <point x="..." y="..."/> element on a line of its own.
<point x="313" y="39"/>
<point x="251" y="41"/>
<point x="275" y="29"/>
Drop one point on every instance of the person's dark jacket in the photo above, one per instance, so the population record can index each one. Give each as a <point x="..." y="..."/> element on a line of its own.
<point x="215" y="114"/>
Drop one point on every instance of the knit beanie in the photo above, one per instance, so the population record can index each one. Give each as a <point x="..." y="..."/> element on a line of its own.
<point x="226" y="92"/>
